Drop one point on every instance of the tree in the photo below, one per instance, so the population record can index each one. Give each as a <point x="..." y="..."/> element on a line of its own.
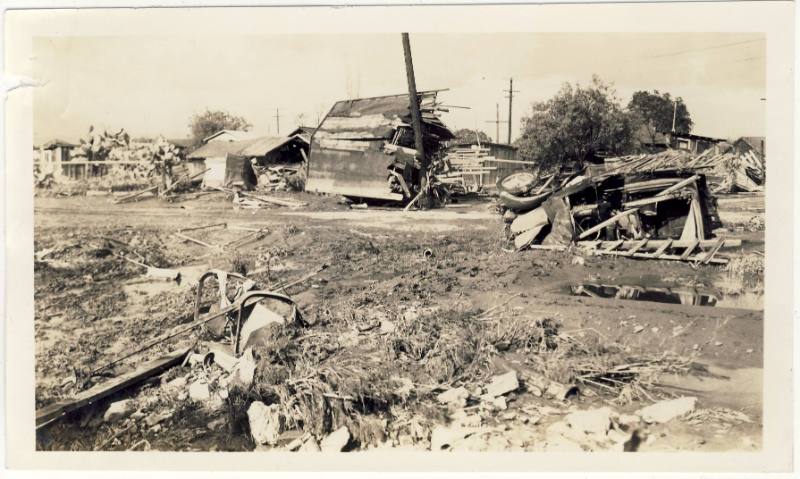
<point x="209" y="122"/>
<point x="465" y="135"/>
<point x="653" y="113"/>
<point x="574" y="125"/>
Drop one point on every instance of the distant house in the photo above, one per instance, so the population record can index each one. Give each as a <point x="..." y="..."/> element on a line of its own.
<point x="49" y="156"/>
<point x="675" y="141"/>
<point x="230" y="162"/>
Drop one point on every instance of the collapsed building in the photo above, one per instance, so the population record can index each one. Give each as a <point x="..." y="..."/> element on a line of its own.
<point x="230" y="160"/>
<point x="364" y="148"/>
<point x="665" y="214"/>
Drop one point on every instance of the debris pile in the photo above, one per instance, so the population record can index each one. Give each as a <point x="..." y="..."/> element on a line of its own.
<point x="729" y="171"/>
<point x="664" y="214"/>
<point x="280" y="178"/>
<point x="463" y="169"/>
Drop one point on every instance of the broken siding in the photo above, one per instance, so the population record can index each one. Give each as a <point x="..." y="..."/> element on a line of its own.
<point x="347" y="150"/>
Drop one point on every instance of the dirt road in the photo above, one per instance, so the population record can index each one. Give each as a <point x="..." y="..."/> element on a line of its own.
<point x="91" y="306"/>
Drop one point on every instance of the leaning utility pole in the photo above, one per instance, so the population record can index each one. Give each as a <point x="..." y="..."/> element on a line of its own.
<point x="496" y="122"/>
<point x="510" y="97"/>
<point x="416" y="122"/>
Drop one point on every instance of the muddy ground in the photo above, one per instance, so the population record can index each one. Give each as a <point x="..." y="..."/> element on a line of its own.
<point x="92" y="307"/>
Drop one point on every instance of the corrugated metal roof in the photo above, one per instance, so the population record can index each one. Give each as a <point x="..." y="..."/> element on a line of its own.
<point x="251" y="147"/>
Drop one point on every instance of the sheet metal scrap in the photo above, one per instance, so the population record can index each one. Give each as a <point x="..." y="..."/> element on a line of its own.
<point x="360" y="141"/>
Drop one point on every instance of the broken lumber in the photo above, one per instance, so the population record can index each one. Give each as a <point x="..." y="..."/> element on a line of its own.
<point x="610" y="221"/>
<point x="195" y="228"/>
<point x="134" y="195"/>
<point x="49" y="414"/>
<point x="670" y="257"/>
<point x="181" y="180"/>
<point x="264" y="199"/>
<point x="679" y="185"/>
<point x="193" y="240"/>
<point x="658" y="243"/>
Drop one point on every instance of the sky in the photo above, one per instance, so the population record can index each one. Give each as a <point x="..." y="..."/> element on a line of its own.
<point x="154" y="85"/>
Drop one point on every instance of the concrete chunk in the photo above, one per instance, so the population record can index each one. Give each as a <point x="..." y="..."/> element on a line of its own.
<point x="503" y="384"/>
<point x="665" y="411"/>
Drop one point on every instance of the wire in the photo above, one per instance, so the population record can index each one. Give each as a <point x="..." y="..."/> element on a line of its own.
<point x="713" y="47"/>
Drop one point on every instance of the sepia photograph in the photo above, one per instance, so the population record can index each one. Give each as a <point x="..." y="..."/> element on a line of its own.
<point x="425" y="241"/>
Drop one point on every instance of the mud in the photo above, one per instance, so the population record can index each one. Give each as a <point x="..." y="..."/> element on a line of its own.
<point x="91" y="305"/>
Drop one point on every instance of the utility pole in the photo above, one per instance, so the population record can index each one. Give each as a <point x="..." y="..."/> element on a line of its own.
<point x="416" y="122"/>
<point x="510" y="97"/>
<point x="278" y="120"/>
<point x="496" y="122"/>
<point x="674" y="113"/>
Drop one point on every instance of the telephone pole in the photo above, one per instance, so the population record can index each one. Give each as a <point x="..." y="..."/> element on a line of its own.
<point x="416" y="122"/>
<point x="510" y="97"/>
<point x="496" y="122"/>
<point x="278" y="120"/>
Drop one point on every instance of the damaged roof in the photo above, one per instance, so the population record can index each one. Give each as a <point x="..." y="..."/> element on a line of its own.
<point x="260" y="146"/>
<point x="377" y="117"/>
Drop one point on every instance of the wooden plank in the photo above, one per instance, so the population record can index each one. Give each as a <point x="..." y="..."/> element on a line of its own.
<point x="614" y="245"/>
<point x="636" y="247"/>
<point x="714" y="250"/>
<point x="670" y="257"/>
<point x="688" y="251"/>
<point x="53" y="412"/>
<point x="610" y="221"/>
<point x="679" y="185"/>
<point x="402" y="182"/>
<point x="663" y="248"/>
<point x="193" y="240"/>
<point x="657" y="243"/>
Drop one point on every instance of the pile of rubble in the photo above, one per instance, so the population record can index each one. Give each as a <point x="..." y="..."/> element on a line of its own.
<point x="727" y="171"/>
<point x="663" y="214"/>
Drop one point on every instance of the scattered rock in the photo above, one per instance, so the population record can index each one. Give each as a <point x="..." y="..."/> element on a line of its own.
<point x="118" y="410"/>
<point x="387" y="327"/>
<point x="628" y="420"/>
<point x="717" y="343"/>
<point x="749" y="351"/>
<point x="455" y="397"/>
<point x="578" y="261"/>
<point x="198" y="391"/>
<point x="216" y="423"/>
<point x="444" y="436"/>
<point x="265" y="422"/>
<point x="592" y="421"/>
<point x="665" y="411"/>
<point x="336" y="441"/>
<point x="157" y="417"/>
<point x="638" y="329"/>
<point x="246" y="368"/>
<point x="503" y="384"/>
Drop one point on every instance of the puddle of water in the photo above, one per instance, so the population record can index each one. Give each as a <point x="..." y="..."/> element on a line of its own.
<point x="689" y="297"/>
<point x="145" y="286"/>
<point x="739" y="388"/>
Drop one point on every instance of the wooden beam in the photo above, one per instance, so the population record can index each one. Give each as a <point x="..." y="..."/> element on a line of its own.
<point x="614" y="245"/>
<point x="710" y="254"/>
<point x="657" y="243"/>
<point x="688" y="251"/>
<point x="636" y="247"/>
<point x="610" y="221"/>
<point x="661" y="249"/>
<point x="670" y="257"/>
<point x="679" y="185"/>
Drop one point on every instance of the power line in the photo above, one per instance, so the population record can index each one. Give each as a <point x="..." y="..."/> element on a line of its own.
<point x="497" y="122"/>
<point x="713" y="47"/>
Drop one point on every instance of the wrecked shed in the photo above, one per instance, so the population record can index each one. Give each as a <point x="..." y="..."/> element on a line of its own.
<point x="365" y="147"/>
<point x="230" y="163"/>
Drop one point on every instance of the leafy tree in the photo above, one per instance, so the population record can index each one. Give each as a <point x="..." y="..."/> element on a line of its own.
<point x="210" y="122"/>
<point x="653" y="113"/>
<point x="465" y="135"/>
<point x="574" y="125"/>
